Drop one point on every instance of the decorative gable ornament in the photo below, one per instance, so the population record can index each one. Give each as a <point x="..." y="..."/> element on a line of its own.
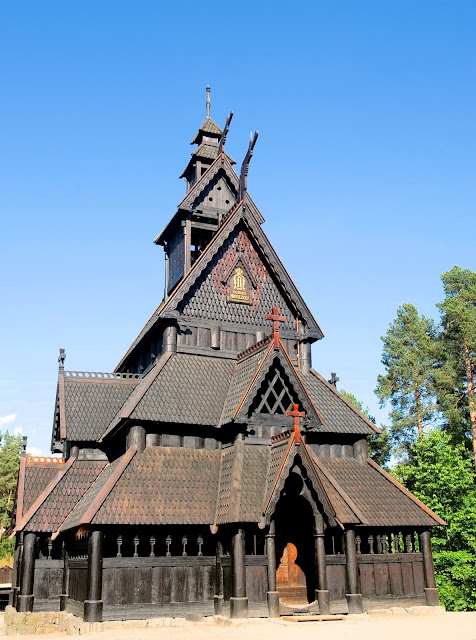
<point x="239" y="283"/>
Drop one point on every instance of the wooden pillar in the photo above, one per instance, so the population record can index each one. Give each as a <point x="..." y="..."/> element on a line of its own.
<point x="65" y="580"/>
<point x="218" y="597"/>
<point x="238" y="601"/>
<point x="170" y="339"/>
<point x="93" y="605"/>
<point x="272" y="595"/>
<point x="136" y="438"/>
<point x="431" y="592"/>
<point x="322" y="591"/>
<point x="17" y="561"/>
<point x="354" y="599"/>
<point x="305" y="356"/>
<point x="25" y="599"/>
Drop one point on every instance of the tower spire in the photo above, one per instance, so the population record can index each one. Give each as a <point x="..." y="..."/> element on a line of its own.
<point x="208" y="100"/>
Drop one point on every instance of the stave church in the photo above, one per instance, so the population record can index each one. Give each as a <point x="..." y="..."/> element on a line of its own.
<point x="214" y="471"/>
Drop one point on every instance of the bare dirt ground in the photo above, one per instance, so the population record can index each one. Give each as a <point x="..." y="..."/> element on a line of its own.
<point x="448" y="626"/>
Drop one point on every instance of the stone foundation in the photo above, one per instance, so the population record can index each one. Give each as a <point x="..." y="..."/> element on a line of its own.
<point x="20" y="624"/>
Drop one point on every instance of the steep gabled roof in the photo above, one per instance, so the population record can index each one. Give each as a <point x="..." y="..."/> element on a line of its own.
<point x="34" y="475"/>
<point x="208" y="126"/>
<point x="181" y="389"/>
<point x="337" y="413"/>
<point x="64" y="496"/>
<point x="89" y="401"/>
<point x="27" y="514"/>
<point x="380" y="498"/>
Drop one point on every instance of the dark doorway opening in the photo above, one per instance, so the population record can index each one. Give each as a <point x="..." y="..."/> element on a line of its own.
<point x="295" y="555"/>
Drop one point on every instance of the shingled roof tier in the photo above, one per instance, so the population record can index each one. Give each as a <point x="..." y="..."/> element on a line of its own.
<point x="63" y="498"/>
<point x="90" y="403"/>
<point x="383" y="502"/>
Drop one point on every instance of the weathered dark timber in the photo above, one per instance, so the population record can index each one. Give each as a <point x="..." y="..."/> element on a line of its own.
<point x="94" y="604"/>
<point x="272" y="595"/>
<point x="26" y="597"/>
<point x="214" y="470"/>
<point x="431" y="592"/>
<point x="354" y="598"/>
<point x="238" y="601"/>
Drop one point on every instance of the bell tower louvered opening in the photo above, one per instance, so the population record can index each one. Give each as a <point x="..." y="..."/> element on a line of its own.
<point x="276" y="394"/>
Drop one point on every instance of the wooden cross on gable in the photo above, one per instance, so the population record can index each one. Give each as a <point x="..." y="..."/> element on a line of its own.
<point x="296" y="414"/>
<point x="276" y="318"/>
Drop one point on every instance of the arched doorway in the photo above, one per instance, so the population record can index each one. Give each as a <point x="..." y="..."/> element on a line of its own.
<point x="295" y="552"/>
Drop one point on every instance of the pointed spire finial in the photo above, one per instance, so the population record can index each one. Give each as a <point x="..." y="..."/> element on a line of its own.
<point x="61" y="359"/>
<point x="208" y="100"/>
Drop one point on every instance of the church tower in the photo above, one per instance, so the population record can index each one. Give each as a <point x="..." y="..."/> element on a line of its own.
<point x="222" y="275"/>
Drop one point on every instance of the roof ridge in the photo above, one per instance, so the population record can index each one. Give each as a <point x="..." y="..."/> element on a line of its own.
<point x="345" y="401"/>
<point x="101" y="375"/>
<point x="253" y="348"/>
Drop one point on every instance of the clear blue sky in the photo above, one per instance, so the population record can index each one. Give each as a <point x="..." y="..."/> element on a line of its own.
<point x="364" y="169"/>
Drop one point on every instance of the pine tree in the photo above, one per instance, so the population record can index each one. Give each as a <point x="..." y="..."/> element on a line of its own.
<point x="409" y="356"/>
<point x="458" y="344"/>
<point x="10" y="448"/>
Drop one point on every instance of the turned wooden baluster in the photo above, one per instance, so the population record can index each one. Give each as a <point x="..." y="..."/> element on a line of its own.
<point x="119" y="545"/>
<point x="371" y="544"/>
<point x="408" y="543"/>
<point x="358" y="543"/>
<point x="168" y="542"/>
<point x="200" y="543"/>
<point x="135" y="542"/>
<point x="152" y="545"/>
<point x="50" y="546"/>
<point x="184" y="544"/>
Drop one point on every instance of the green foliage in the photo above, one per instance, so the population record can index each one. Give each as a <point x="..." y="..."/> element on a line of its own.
<point x="10" y="450"/>
<point x="443" y="477"/>
<point x="409" y="356"/>
<point x="455" y="376"/>
<point x="380" y="446"/>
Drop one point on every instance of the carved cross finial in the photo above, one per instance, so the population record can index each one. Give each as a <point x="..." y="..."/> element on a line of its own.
<point x="245" y="166"/>
<point x="208" y="100"/>
<point x="276" y="318"/>
<point x="296" y="415"/>
<point x="334" y="379"/>
<point x="61" y="359"/>
<point x="221" y="147"/>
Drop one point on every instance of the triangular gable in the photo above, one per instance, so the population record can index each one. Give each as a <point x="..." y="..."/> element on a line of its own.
<point x="63" y="469"/>
<point x="272" y="384"/>
<point x="219" y="170"/>
<point x="241" y="232"/>
<point x="287" y="451"/>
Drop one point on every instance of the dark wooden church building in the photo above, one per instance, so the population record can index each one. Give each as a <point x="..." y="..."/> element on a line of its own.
<point x="214" y="470"/>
